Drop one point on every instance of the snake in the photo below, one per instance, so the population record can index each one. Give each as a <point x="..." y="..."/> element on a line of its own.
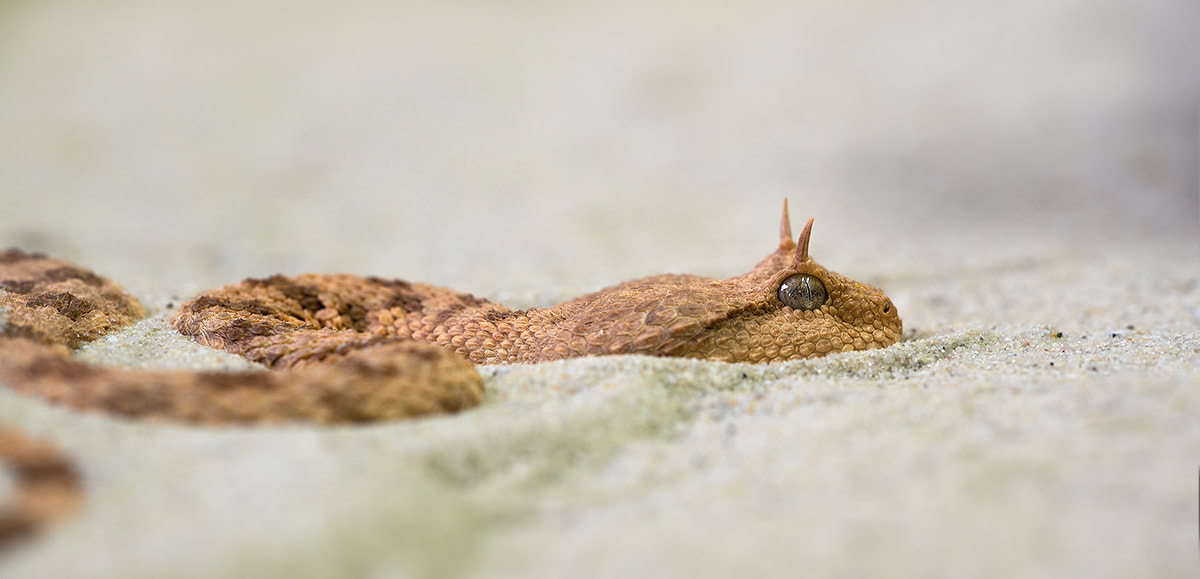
<point x="340" y="348"/>
<point x="47" y="487"/>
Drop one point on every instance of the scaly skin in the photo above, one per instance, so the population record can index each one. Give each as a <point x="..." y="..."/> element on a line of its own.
<point x="362" y="349"/>
<point x="48" y="307"/>
<point x="291" y="322"/>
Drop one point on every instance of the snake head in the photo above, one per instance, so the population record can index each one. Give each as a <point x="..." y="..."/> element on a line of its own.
<point x="788" y="307"/>
<point x="808" y="311"/>
<point x="796" y="308"/>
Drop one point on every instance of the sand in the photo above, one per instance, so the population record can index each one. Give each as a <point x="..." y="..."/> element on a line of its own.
<point x="1022" y="180"/>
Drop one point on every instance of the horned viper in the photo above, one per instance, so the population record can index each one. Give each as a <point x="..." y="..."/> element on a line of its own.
<point x="355" y="349"/>
<point x="363" y="348"/>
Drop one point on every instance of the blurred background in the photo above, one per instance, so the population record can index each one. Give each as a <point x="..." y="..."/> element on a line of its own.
<point x="514" y="146"/>
<point x="989" y="164"/>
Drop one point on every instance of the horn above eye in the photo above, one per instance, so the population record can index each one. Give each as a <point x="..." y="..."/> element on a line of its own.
<point x="802" y="292"/>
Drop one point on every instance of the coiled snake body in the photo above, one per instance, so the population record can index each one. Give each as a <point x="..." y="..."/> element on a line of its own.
<point x="354" y="349"/>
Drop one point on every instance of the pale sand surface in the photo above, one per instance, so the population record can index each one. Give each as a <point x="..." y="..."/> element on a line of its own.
<point x="1021" y="179"/>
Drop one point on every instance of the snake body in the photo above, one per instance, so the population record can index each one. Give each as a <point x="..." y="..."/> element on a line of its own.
<point x="356" y="349"/>
<point x="360" y="349"/>
<point x="285" y="322"/>
<point x="363" y="348"/>
<point x="47" y="487"/>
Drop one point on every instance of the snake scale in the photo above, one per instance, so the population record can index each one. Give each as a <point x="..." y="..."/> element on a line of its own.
<point x="360" y="349"/>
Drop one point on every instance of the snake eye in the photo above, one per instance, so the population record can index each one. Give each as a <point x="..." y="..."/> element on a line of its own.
<point x="802" y="292"/>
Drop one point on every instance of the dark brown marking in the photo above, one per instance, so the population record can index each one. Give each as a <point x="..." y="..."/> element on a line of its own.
<point x="55" y="368"/>
<point x="47" y="486"/>
<point x="472" y="301"/>
<point x="68" y="272"/>
<point x="250" y="307"/>
<point x="259" y="381"/>
<point x="501" y="315"/>
<point x="15" y="528"/>
<point x="14" y="255"/>
<point x="66" y="304"/>
<point x="11" y="330"/>
<point x="18" y="287"/>
<point x="392" y="284"/>
<point x="124" y="304"/>
<point x="308" y="297"/>
<point x="447" y="313"/>
<point x="356" y="314"/>
<point x="241" y="329"/>
<point x="403" y="296"/>
<point x="406" y="301"/>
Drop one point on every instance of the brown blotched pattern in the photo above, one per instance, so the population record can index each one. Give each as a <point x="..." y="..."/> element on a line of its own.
<point x="358" y="349"/>
<point x="52" y="306"/>
<point x="290" y="322"/>
<point x="384" y="382"/>
<point x="47" y="487"/>
<point x="353" y="349"/>
<point x="55" y="303"/>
